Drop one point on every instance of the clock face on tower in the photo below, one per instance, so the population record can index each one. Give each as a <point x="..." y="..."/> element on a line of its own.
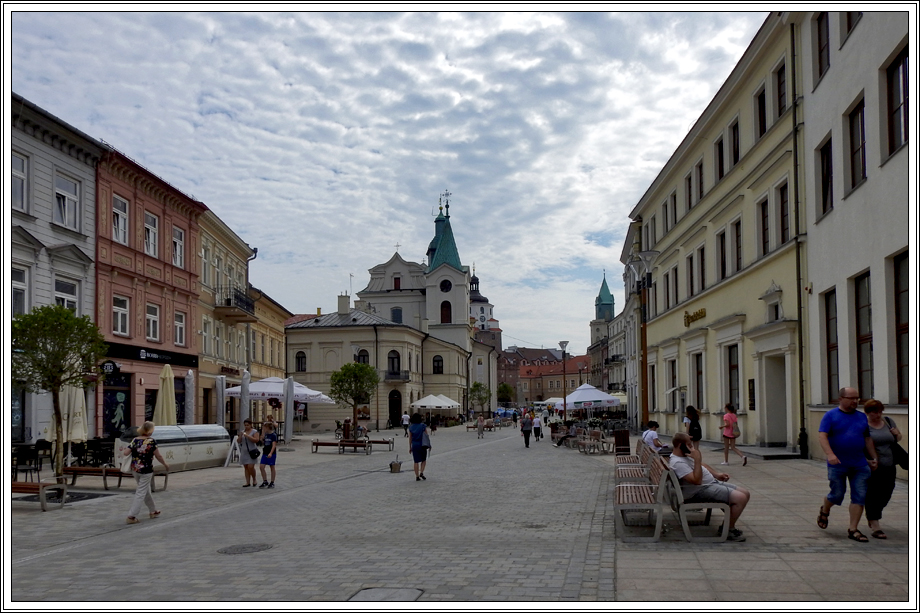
<point x="482" y="318"/>
<point x="446" y="285"/>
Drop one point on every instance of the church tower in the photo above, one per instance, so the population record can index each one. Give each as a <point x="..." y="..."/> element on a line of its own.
<point x="447" y="284"/>
<point x="603" y="312"/>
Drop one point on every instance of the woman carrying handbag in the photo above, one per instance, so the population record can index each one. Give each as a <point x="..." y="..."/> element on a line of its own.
<point x="142" y="451"/>
<point x="248" y="441"/>
<point x="885" y="435"/>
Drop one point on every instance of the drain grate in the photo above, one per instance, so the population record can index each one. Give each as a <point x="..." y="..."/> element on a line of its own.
<point x="71" y="497"/>
<point x="235" y="549"/>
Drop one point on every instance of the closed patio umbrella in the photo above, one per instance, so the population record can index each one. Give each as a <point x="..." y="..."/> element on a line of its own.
<point x="164" y="414"/>
<point x="288" y="409"/>
<point x="221" y="388"/>
<point x="244" y="397"/>
<point x="73" y="418"/>
<point x="190" y="397"/>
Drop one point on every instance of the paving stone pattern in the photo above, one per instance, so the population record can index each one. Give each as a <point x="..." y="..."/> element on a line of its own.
<point x="493" y="522"/>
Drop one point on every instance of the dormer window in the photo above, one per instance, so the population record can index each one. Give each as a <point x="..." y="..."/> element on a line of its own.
<point x="396" y="282"/>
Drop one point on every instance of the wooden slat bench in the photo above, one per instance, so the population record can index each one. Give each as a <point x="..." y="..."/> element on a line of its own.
<point x="682" y="508"/>
<point x="384" y="441"/>
<point x="107" y="471"/>
<point x="316" y="444"/>
<point x="355" y="445"/>
<point x="651" y="498"/>
<point x="31" y="487"/>
<point x="638" y="473"/>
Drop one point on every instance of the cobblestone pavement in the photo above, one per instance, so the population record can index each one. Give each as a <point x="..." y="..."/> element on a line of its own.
<point x="494" y="521"/>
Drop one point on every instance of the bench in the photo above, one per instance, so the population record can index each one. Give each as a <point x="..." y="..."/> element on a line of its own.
<point x="635" y="472"/>
<point x="107" y="470"/>
<point x="592" y="443"/>
<point x="650" y="498"/>
<point x="472" y="426"/>
<point x="384" y="441"/>
<point x="355" y="445"/>
<point x="316" y="444"/>
<point x="31" y="487"/>
<point x="681" y="508"/>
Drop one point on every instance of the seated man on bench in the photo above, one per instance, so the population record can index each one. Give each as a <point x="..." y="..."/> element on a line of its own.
<point x="700" y="483"/>
<point x="562" y="439"/>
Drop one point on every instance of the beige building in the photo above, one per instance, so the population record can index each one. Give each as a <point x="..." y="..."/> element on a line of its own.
<point x="725" y="218"/>
<point x="225" y="313"/>
<point x="267" y="338"/>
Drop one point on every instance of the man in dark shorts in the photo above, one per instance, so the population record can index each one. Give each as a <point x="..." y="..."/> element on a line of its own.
<point x="700" y="483"/>
<point x="269" y="453"/>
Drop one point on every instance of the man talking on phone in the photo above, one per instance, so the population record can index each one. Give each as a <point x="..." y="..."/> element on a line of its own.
<point x="701" y="483"/>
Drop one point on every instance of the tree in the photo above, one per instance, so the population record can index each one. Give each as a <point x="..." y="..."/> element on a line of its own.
<point x="53" y="348"/>
<point x="353" y="384"/>
<point x="505" y="393"/>
<point x="480" y="394"/>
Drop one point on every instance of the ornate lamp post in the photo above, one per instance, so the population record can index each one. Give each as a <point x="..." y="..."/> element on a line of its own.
<point x="641" y="266"/>
<point x="563" y="345"/>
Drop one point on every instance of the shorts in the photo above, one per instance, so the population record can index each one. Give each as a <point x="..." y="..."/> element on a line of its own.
<point x="714" y="492"/>
<point x="419" y="454"/>
<point x="269" y="461"/>
<point x="859" y="481"/>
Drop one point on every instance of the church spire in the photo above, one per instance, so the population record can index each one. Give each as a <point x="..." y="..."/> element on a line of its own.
<point x="603" y="304"/>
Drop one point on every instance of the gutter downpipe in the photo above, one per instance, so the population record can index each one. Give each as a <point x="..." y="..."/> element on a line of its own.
<point x="803" y="431"/>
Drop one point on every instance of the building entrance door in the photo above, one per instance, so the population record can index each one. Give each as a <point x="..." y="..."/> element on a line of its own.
<point x="394" y="403"/>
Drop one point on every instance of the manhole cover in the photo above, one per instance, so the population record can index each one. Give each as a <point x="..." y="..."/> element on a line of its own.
<point x="386" y="594"/>
<point x="535" y="526"/>
<point x="234" y="549"/>
<point x="71" y="497"/>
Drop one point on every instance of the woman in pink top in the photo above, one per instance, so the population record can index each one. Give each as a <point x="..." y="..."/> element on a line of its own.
<point x="728" y="434"/>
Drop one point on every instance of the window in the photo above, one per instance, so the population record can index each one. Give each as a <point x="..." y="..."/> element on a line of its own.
<point x="393" y="362"/>
<point x="864" y="336"/>
<point x="120" y="316"/>
<point x="720" y="159"/>
<point x="652" y="395"/>
<point x="178" y="247"/>
<point x="18" y="187"/>
<point x="782" y="195"/>
<point x="688" y="191"/>
<point x="364" y="357"/>
<point x="446" y="312"/>
<point x="179" y="338"/>
<point x="830" y="345"/>
<point x="397" y="281"/>
<point x="699" y="181"/>
<point x="664" y="217"/>
<point x="857" y="124"/>
<point x="262" y="349"/>
<point x="300" y="362"/>
<point x="437" y="365"/>
<point x="119" y="220"/>
<point x="698" y="381"/>
<point x="690" y="273"/>
<point x="151" y="233"/>
<point x="902" y="321"/>
<point x="667" y="290"/>
<point x="780" y="85"/>
<point x="206" y="336"/>
<point x="396" y="315"/>
<point x="153" y="322"/>
<point x="65" y="294"/>
<point x="653" y="231"/>
<point x="721" y="255"/>
<point x="673" y="201"/>
<point x="701" y="263"/>
<point x="733" y="379"/>
<point x="219" y="344"/>
<point x="674" y="281"/>
<point x="761" y="103"/>
<point x="20" y="291"/>
<point x="764" y="209"/>
<point x="66" y="202"/>
<point x="824" y="46"/>
<point x="897" y="102"/>
<point x="672" y="386"/>
<point x="736" y="232"/>
<point x="206" y="265"/>
<point x="736" y="143"/>
<point x="827" y="178"/>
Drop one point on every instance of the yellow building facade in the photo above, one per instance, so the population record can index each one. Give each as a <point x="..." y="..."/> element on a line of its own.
<point x="267" y="338"/>
<point x="722" y="223"/>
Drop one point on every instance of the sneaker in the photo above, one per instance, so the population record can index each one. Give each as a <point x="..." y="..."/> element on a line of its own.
<point x="744" y="461"/>
<point x="422" y="476"/>
<point x="271" y="485"/>
<point x="724" y="463"/>
<point x="735" y="535"/>
<point x="264" y="485"/>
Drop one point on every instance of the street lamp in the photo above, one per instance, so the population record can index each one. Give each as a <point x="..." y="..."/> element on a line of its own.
<point x="641" y="265"/>
<point x="563" y="345"/>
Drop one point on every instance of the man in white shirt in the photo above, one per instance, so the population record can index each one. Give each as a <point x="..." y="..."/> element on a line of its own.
<point x="650" y="437"/>
<point x="405" y="423"/>
<point x="701" y="483"/>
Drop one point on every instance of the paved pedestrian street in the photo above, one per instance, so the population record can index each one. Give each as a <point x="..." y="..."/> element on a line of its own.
<point x="494" y="521"/>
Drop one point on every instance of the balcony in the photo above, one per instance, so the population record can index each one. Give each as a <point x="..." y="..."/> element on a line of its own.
<point x="616" y="387"/>
<point x="233" y="304"/>
<point x="617" y="358"/>
<point x="399" y="375"/>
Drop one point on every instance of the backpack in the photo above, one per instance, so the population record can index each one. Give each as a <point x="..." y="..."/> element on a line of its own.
<point x="696" y="432"/>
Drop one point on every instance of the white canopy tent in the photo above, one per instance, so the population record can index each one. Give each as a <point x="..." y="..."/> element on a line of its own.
<point x="429" y="402"/>
<point x="589" y="397"/>
<point x="448" y="402"/>
<point x="273" y="387"/>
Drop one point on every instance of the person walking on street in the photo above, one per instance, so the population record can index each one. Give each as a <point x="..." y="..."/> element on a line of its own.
<point x="248" y="441"/>
<point x="885" y="435"/>
<point x="730" y="434"/>
<point x="692" y="424"/>
<point x="418" y="445"/>
<point x="526" y="428"/>
<point x="844" y="437"/>
<point x="269" y="453"/>
<point x="405" y="424"/>
<point x="537" y="428"/>
<point x="481" y="426"/>
<point x="142" y="451"/>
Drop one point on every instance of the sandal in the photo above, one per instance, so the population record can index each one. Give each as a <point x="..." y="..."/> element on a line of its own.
<point x="822" y="519"/>
<point x="154" y="515"/>
<point x="132" y="520"/>
<point x="856" y="535"/>
<point x="878" y="534"/>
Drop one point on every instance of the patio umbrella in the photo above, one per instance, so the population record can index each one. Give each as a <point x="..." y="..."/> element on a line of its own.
<point x="448" y="403"/>
<point x="244" y="397"/>
<point x="73" y="418"/>
<point x="190" y="397"/>
<point x="221" y="400"/>
<point x="273" y="387"/>
<point x="589" y="397"/>
<point x="164" y="413"/>
<point x="288" y="409"/>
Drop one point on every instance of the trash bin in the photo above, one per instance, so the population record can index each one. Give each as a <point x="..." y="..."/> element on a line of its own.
<point x="395" y="465"/>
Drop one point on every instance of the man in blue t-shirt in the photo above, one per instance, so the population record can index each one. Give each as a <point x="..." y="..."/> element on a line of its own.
<point x="844" y="437"/>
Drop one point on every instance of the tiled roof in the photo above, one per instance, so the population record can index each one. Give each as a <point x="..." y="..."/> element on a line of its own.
<point x="298" y="318"/>
<point x="334" y="320"/>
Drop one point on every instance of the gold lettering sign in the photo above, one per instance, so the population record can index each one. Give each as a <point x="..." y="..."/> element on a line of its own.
<point x="689" y="318"/>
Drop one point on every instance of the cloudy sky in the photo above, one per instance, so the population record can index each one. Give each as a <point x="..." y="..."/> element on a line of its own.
<point x="325" y="139"/>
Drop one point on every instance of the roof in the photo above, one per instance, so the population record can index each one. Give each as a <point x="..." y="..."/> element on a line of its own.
<point x="604" y="296"/>
<point x="443" y="247"/>
<point x="352" y="318"/>
<point x="298" y="318"/>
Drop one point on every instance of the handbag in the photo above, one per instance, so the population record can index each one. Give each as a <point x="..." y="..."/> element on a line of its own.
<point x="901" y="457"/>
<point x="426" y="442"/>
<point x="736" y="431"/>
<point x="254" y="453"/>
<point x="126" y="463"/>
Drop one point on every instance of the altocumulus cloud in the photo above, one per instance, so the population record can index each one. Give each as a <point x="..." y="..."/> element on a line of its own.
<point x="324" y="139"/>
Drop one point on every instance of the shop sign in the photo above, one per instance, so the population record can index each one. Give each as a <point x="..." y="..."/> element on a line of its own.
<point x="689" y="317"/>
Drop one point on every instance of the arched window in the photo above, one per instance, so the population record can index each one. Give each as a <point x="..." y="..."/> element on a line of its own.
<point x="393" y="362"/>
<point x="396" y="315"/>
<point x="363" y="357"/>
<point x="446" y="313"/>
<point x="437" y="365"/>
<point x="300" y="362"/>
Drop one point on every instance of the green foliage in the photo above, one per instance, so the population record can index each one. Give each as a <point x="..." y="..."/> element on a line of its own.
<point x="480" y="395"/>
<point x="52" y="348"/>
<point x="352" y="384"/>
<point x="505" y="393"/>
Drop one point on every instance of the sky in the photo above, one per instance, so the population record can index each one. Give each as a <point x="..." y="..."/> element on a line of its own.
<point x="326" y="139"/>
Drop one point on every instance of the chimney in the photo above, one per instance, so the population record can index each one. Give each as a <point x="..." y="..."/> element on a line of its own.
<point x="319" y="311"/>
<point x="344" y="304"/>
